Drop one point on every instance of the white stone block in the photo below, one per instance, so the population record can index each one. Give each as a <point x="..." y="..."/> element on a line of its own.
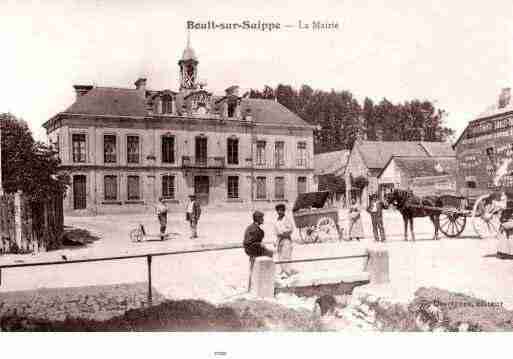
<point x="262" y="281"/>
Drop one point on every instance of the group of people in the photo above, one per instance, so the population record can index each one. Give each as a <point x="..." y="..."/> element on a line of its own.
<point x="192" y="215"/>
<point x="254" y="236"/>
<point x="375" y="209"/>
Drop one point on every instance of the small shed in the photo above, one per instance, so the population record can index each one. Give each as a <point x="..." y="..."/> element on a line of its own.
<point x="423" y="175"/>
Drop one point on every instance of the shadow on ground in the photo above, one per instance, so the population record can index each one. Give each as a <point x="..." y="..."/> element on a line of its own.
<point x="77" y="238"/>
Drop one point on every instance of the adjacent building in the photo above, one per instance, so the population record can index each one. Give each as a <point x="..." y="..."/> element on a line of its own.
<point x="126" y="147"/>
<point x="329" y="170"/>
<point x="422" y="175"/>
<point x="367" y="160"/>
<point x="483" y="145"/>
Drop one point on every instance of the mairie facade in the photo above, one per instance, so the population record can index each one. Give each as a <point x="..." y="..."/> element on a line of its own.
<point x="124" y="148"/>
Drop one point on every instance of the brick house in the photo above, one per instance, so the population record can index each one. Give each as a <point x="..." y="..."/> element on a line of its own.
<point x="126" y="147"/>
<point x="484" y="144"/>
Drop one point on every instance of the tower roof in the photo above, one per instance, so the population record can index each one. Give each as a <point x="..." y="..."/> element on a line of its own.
<point x="188" y="53"/>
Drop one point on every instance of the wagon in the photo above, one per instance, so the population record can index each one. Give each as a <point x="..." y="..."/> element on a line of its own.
<point x="491" y="214"/>
<point x="315" y="220"/>
<point x="487" y="213"/>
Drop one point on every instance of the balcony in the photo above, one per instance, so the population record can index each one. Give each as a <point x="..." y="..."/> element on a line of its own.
<point x="203" y="162"/>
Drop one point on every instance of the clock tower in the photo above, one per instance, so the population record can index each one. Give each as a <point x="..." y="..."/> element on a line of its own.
<point x="188" y="68"/>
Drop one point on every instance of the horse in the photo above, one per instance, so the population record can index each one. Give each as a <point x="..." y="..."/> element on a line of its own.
<point x="411" y="206"/>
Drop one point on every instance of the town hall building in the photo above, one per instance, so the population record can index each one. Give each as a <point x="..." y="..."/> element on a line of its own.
<point x="126" y="147"/>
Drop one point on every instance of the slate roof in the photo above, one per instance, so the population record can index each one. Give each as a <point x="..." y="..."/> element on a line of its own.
<point x="330" y="162"/>
<point x="112" y="101"/>
<point x="271" y="112"/>
<point x="376" y="154"/>
<point x="414" y="167"/>
<point x="438" y="149"/>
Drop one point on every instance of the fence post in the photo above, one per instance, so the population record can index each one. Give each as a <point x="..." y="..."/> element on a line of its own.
<point x="150" y="299"/>
<point x="378" y="266"/>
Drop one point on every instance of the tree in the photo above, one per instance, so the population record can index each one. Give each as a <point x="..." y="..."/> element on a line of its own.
<point x="28" y="165"/>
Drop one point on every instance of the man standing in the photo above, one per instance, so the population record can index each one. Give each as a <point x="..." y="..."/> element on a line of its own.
<point x="253" y="237"/>
<point x="376" y="212"/>
<point x="161" y="210"/>
<point x="283" y="228"/>
<point x="193" y="214"/>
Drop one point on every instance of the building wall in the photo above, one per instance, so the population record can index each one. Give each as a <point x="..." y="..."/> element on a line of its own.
<point x="391" y="175"/>
<point x="356" y="167"/>
<point x="473" y="163"/>
<point x="150" y="168"/>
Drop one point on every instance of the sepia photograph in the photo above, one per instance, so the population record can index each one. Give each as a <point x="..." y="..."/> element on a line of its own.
<point x="337" y="168"/>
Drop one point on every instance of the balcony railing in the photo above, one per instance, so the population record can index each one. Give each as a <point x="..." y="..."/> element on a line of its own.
<point x="203" y="162"/>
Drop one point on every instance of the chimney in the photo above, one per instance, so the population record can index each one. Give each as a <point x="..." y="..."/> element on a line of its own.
<point x="504" y="97"/>
<point x="140" y="85"/>
<point x="232" y="90"/>
<point x="81" y="90"/>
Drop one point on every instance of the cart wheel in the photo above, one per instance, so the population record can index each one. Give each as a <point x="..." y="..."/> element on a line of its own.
<point x="452" y="224"/>
<point x="309" y="234"/>
<point x="136" y="235"/>
<point x="327" y="229"/>
<point x="485" y="222"/>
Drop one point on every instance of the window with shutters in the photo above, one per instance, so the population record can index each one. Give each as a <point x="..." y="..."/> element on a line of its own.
<point x="132" y="149"/>
<point x="110" y="185"/>
<point x="279" y="154"/>
<point x="168" y="149"/>
<point x="168" y="187"/>
<point x="260" y="153"/>
<point x="109" y="148"/>
<point x="301" y="154"/>
<point x="233" y="187"/>
<point x="233" y="151"/>
<point x="133" y="188"/>
<point x="279" y="188"/>
<point x="79" y="147"/>
<point x="261" y="191"/>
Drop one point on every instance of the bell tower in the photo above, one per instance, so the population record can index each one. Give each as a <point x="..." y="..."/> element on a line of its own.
<point x="188" y="68"/>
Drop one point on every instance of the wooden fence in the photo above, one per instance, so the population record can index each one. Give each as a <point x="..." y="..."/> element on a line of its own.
<point x="28" y="226"/>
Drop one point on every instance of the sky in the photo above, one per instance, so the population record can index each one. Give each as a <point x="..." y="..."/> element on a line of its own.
<point x="456" y="53"/>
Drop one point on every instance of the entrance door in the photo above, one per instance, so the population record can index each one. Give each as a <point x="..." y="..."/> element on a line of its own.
<point x="79" y="192"/>
<point x="201" y="188"/>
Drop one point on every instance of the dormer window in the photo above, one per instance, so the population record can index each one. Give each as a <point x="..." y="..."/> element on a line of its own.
<point x="231" y="109"/>
<point x="167" y="105"/>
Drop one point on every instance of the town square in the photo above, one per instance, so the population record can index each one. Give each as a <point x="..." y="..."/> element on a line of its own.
<point x="242" y="174"/>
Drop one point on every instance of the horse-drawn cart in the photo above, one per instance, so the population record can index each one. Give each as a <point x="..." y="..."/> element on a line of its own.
<point x="315" y="221"/>
<point x="488" y="214"/>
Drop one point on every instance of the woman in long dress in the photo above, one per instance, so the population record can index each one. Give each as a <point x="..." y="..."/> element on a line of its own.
<point x="355" y="222"/>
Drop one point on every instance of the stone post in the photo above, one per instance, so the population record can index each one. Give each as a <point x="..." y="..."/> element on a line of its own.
<point x="262" y="280"/>
<point x="378" y="266"/>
